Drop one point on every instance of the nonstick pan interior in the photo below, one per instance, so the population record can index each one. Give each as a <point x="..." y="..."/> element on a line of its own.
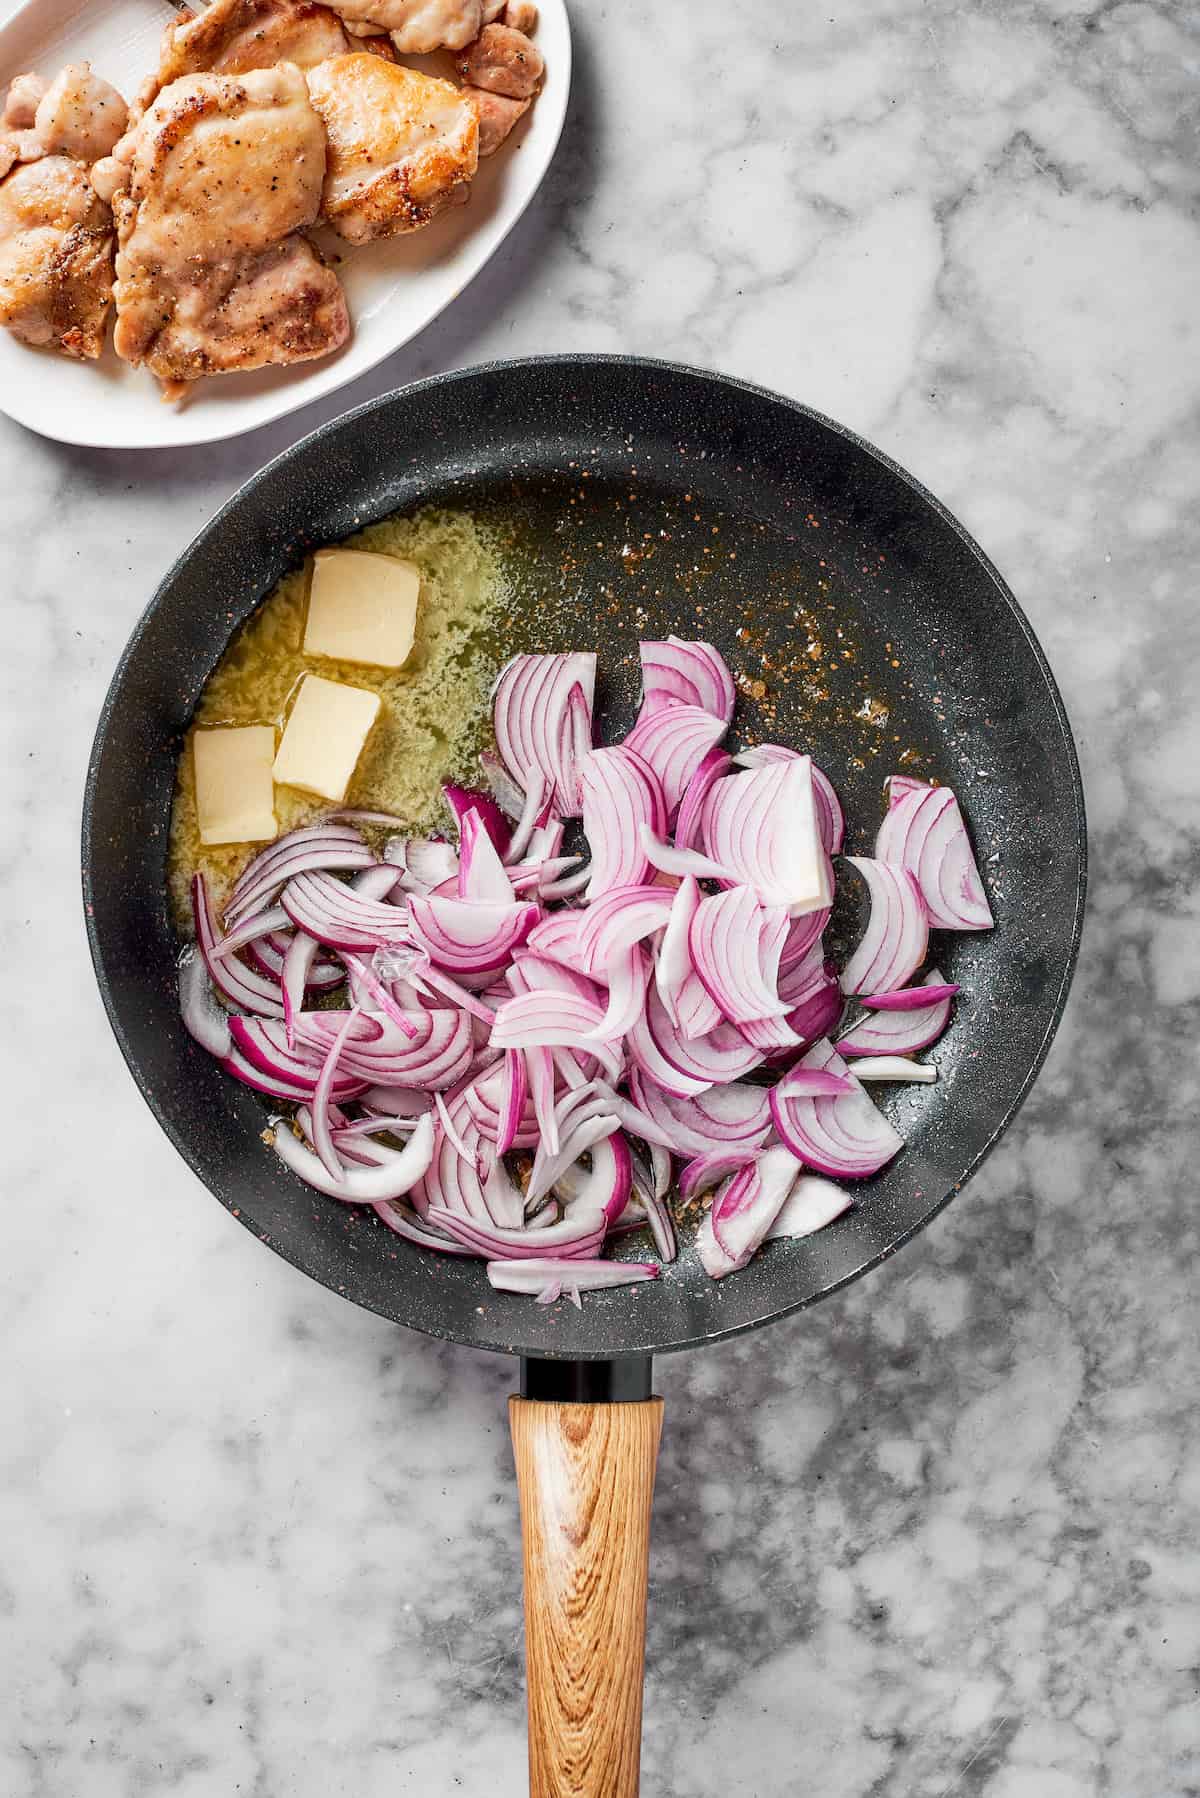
<point x="642" y="498"/>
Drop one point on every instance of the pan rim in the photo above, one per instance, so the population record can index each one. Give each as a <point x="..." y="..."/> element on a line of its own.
<point x="650" y="366"/>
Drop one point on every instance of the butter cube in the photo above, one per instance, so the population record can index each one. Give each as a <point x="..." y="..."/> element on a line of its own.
<point x="362" y="607"/>
<point x="324" y="736"/>
<point x="235" y="801"/>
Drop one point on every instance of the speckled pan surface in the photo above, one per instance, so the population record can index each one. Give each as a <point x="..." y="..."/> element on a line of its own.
<point x="643" y="498"/>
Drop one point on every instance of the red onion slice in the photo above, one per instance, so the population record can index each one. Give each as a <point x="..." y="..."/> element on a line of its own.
<point x="896" y="939"/>
<point x="328" y="910"/>
<point x="744" y="1210"/>
<point x="335" y="848"/>
<point x="680" y="862"/>
<point x="623" y="917"/>
<point x="831" y="819"/>
<point x="896" y="1067"/>
<point x="810" y="1206"/>
<point x="689" y="821"/>
<point x="578" y="1236"/>
<point x="245" y="988"/>
<point x="762" y="824"/>
<point x="203" y="1017"/>
<point x="733" y="1116"/>
<point x="901" y="1032"/>
<point x="553" y="1020"/>
<point x="620" y="795"/>
<point x="628" y="973"/>
<point x="512" y="1100"/>
<point x="557" y="937"/>
<point x="688" y="1067"/>
<point x="911" y="998"/>
<point x="391" y="1179"/>
<point x="481" y="873"/>
<point x="542" y="717"/>
<point x="673" y="965"/>
<point x="540" y="1064"/>
<point x="406" y="1223"/>
<point x="682" y="673"/>
<point x="466" y="937"/>
<point x="734" y="945"/>
<point x="580" y="1275"/>
<point x="462" y="800"/>
<point x="673" y="740"/>
<point x="426" y="863"/>
<point x="845" y="1135"/>
<point x="924" y="832"/>
<point x="534" y="806"/>
<point x="709" y="1169"/>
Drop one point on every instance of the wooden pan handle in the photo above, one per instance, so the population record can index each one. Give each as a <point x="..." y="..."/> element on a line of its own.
<point x="585" y="1474"/>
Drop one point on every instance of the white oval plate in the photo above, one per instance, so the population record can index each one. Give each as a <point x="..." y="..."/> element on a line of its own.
<point x="395" y="288"/>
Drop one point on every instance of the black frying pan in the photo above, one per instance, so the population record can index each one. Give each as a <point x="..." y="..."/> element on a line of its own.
<point x="645" y="498"/>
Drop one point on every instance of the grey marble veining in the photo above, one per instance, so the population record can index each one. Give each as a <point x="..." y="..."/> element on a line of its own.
<point x="938" y="1537"/>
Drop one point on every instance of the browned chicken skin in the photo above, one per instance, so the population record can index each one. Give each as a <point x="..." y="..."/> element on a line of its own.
<point x="212" y="272"/>
<point x="419" y="26"/>
<point x="401" y="145"/>
<point x="231" y="36"/>
<point x="497" y="116"/>
<point x="56" y="235"/>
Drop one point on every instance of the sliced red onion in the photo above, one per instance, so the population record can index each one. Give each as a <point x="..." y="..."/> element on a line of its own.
<point x="621" y="793"/>
<point x="578" y="1236"/>
<point x="673" y="740"/>
<point x="689" y="822"/>
<point x="529" y="877"/>
<point x="845" y="1135"/>
<point x="486" y="1100"/>
<point x="557" y="937"/>
<point x="269" y="952"/>
<point x="278" y="1085"/>
<point x="434" y="1060"/>
<point x="540" y="1065"/>
<point x="804" y="935"/>
<point x="500" y="784"/>
<point x="426" y="862"/>
<point x="737" y="1116"/>
<point x="896" y="1067"/>
<point x="817" y="1083"/>
<point x="391" y="1179"/>
<point x="468" y="1150"/>
<point x="534" y="806"/>
<point x="896" y="939"/>
<point x="262" y="1044"/>
<point x="376" y="883"/>
<point x="673" y="965"/>
<point x="503" y="1196"/>
<point x="924" y="832"/>
<point x="734" y="945"/>
<point x="762" y="825"/>
<point x="831" y="820"/>
<point x="901" y="1032"/>
<point x="608" y="1181"/>
<point x="624" y="916"/>
<point x="580" y="1275"/>
<point x="512" y="1101"/>
<point x="744" y="1210"/>
<point x="328" y="910"/>
<point x="680" y="862"/>
<point x="813" y="991"/>
<point x="322" y="1128"/>
<point x="465" y="937"/>
<point x="567" y="887"/>
<point x="203" y="1018"/>
<point x="656" y="1211"/>
<point x="245" y="988"/>
<point x="406" y="1223"/>
<point x="533" y="973"/>
<point x="553" y="1020"/>
<point x="481" y="873"/>
<point x="542" y="714"/>
<point x="250" y="929"/>
<point x="628" y="973"/>
<point x="687" y="1067"/>
<point x="297" y="966"/>
<point x="397" y="1101"/>
<point x="681" y="673"/>
<point x="772" y="1037"/>
<point x="708" y="1170"/>
<point x="462" y="800"/>
<point x="580" y="1132"/>
<point x="911" y="998"/>
<point x="376" y="990"/>
<point x="811" y="1204"/>
<point x="335" y="848"/>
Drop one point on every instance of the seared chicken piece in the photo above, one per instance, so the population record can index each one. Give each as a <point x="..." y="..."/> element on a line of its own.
<point x="419" y="26"/>
<point x="521" y="15"/>
<point x="21" y="101"/>
<point x="56" y="248"/>
<point x="212" y="275"/>
<point x="79" y="115"/>
<point x="401" y="145"/>
<point x="231" y="36"/>
<point x="497" y="116"/>
<point x="502" y="61"/>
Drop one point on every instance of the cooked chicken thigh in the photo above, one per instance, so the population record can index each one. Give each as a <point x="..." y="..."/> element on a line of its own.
<point x="401" y="145"/>
<point x="212" y="274"/>
<point x="231" y="36"/>
<point x="419" y="26"/>
<point x="497" y="116"/>
<point x="56" y="250"/>
<point x="56" y="235"/>
<point x="502" y="61"/>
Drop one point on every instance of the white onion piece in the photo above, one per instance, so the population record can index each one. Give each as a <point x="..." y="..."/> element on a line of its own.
<point x="924" y="832"/>
<point x="426" y="863"/>
<point x="683" y="673"/>
<point x="674" y="740"/>
<point x="896" y="939"/>
<point x="841" y="1136"/>
<point x="810" y="1206"/>
<point x="896" y="1067"/>
<point x="621" y="794"/>
<point x="361" y="1186"/>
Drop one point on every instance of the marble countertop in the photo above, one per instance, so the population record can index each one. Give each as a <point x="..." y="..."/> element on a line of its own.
<point x="937" y="1537"/>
